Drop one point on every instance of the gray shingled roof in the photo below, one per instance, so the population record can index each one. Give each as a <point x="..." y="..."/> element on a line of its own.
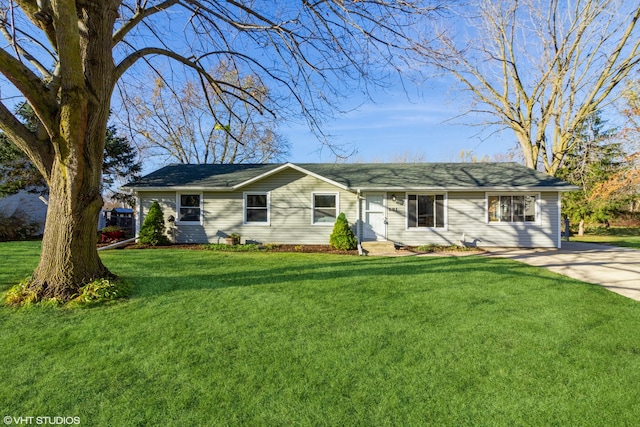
<point x="365" y="176"/>
<point x="214" y="176"/>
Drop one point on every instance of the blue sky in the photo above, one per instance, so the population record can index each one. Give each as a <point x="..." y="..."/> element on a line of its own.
<point x="397" y="123"/>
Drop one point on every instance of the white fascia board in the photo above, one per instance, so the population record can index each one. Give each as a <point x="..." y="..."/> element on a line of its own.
<point x="294" y="167"/>
<point x="472" y="189"/>
<point x="320" y="177"/>
<point x="259" y="177"/>
<point x="160" y="189"/>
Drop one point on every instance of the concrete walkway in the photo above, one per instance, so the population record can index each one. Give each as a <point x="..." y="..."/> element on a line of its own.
<point x="616" y="269"/>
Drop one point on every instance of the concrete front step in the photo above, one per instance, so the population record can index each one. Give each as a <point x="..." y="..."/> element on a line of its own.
<point x="378" y="248"/>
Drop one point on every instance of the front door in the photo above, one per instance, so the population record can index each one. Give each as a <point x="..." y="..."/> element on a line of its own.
<point x="375" y="221"/>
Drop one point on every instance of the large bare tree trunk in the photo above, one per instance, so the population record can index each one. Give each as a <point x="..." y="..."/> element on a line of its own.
<point x="69" y="256"/>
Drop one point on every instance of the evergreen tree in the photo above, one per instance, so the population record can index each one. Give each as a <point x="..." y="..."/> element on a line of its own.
<point x="120" y="164"/>
<point x="152" y="230"/>
<point x="596" y="156"/>
<point x="342" y="237"/>
<point x="16" y="171"/>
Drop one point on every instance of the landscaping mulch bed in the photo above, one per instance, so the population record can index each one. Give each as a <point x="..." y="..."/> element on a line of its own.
<point x="266" y="248"/>
<point x="309" y="249"/>
<point x="443" y="250"/>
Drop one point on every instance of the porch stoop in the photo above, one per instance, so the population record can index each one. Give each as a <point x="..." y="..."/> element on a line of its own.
<point x="380" y="248"/>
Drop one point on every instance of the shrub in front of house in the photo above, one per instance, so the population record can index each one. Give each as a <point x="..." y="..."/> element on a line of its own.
<point x="222" y="247"/>
<point x="16" y="227"/>
<point x="152" y="230"/>
<point x="111" y="234"/>
<point x="342" y="237"/>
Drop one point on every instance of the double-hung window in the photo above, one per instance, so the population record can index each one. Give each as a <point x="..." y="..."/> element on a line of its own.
<point x="256" y="208"/>
<point x="325" y="208"/>
<point x="512" y="208"/>
<point x="189" y="208"/>
<point x="426" y="211"/>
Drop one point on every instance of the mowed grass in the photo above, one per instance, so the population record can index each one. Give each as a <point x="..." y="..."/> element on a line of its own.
<point x="615" y="236"/>
<point x="211" y="338"/>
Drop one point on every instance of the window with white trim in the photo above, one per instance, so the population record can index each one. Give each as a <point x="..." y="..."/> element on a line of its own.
<point x="256" y="208"/>
<point x="426" y="211"/>
<point x="189" y="208"/>
<point x="512" y="208"/>
<point x="325" y="208"/>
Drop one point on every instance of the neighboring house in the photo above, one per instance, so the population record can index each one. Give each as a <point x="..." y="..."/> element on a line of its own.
<point x="29" y="207"/>
<point x="490" y="204"/>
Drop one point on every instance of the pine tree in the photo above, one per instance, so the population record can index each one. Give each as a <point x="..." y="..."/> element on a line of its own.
<point x="595" y="157"/>
<point x="152" y="230"/>
<point x="342" y="237"/>
<point x="16" y="170"/>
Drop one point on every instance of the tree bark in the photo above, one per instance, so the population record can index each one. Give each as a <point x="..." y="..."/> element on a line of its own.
<point x="69" y="256"/>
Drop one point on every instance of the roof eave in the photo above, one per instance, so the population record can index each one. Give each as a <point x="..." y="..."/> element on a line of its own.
<point x="565" y="188"/>
<point x="178" y="188"/>
<point x="568" y="188"/>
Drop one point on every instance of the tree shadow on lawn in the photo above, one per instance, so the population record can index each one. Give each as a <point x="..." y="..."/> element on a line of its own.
<point x="215" y="272"/>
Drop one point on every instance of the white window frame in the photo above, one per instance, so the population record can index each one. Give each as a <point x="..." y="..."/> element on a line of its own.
<point x="313" y="207"/>
<point x="178" y="206"/>
<point x="538" y="215"/>
<point x="445" y="207"/>
<point x="244" y="208"/>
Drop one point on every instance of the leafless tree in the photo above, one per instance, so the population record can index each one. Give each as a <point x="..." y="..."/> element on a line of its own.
<point x="540" y="68"/>
<point x="65" y="58"/>
<point x="193" y="122"/>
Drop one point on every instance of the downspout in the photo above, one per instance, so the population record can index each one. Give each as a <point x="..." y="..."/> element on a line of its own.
<point x="358" y="222"/>
<point x="139" y="215"/>
<point x="566" y="231"/>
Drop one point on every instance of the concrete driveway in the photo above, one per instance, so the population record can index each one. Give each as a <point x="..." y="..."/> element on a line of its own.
<point x="616" y="269"/>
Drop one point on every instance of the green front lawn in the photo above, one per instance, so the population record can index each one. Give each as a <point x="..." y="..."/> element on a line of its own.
<point x="214" y="338"/>
<point x="614" y="236"/>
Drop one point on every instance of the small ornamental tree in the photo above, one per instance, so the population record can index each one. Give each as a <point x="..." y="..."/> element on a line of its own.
<point x="342" y="237"/>
<point x="152" y="230"/>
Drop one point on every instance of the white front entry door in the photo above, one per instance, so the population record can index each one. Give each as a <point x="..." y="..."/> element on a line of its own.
<point x="375" y="221"/>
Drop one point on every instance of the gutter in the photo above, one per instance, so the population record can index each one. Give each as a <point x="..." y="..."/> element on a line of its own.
<point x="564" y="188"/>
<point x="358" y="222"/>
<point x="541" y="189"/>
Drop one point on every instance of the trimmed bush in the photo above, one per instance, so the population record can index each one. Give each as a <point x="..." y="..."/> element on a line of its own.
<point x="152" y="230"/>
<point x="342" y="237"/>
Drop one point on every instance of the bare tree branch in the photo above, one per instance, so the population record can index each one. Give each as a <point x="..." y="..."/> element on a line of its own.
<point x="138" y="17"/>
<point x="543" y="68"/>
<point x="31" y="86"/>
<point x="38" y="150"/>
